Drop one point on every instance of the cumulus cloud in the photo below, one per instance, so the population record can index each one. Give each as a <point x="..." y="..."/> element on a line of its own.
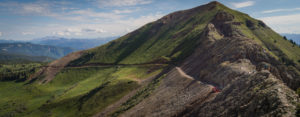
<point x="128" y="30"/>
<point x="93" y="30"/>
<point x="34" y="8"/>
<point x="62" y="33"/>
<point x="281" y="10"/>
<point x="137" y="22"/>
<point x="58" y="11"/>
<point x="61" y="12"/>
<point x="118" y="3"/>
<point x="113" y="28"/>
<point x="242" y="4"/>
<point x="91" y="13"/>
<point x="284" y="23"/>
<point x="85" y="22"/>
<point x="78" y="31"/>
<point x="123" y="11"/>
<point x="28" y="33"/>
<point x="37" y="8"/>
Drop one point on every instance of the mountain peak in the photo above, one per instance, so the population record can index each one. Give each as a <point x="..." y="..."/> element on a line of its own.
<point x="205" y="61"/>
<point x="215" y="3"/>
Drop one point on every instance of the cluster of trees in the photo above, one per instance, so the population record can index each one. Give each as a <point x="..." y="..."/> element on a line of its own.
<point x="287" y="61"/>
<point x="17" y="72"/>
<point x="292" y="41"/>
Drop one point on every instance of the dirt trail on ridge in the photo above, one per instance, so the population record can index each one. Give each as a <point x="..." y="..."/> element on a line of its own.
<point x="54" y="67"/>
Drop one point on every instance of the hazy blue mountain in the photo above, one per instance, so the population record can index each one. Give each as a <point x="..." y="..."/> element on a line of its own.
<point x="30" y="49"/>
<point x="8" y="41"/>
<point x="7" y="58"/>
<point x="77" y="44"/>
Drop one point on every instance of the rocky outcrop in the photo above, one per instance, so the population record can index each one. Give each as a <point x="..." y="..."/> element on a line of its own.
<point x="223" y="16"/>
<point x="176" y="93"/>
<point x="248" y="76"/>
<point x="258" y="94"/>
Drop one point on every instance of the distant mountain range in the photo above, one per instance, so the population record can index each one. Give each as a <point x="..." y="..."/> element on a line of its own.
<point x="44" y="49"/>
<point x="9" y="41"/>
<point x="29" y="49"/>
<point x="7" y="58"/>
<point x="77" y="44"/>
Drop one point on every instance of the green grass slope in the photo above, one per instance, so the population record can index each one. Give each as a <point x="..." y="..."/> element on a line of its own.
<point x="171" y="38"/>
<point x="174" y="37"/>
<point x="76" y="91"/>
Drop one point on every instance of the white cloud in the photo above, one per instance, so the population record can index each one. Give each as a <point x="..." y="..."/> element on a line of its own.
<point x="62" y="33"/>
<point x="73" y="30"/>
<point x="128" y="30"/>
<point x="91" y="30"/>
<point x="79" y="31"/>
<point x="91" y="13"/>
<point x="34" y="8"/>
<point x="137" y="22"/>
<point x="113" y="28"/>
<point x="37" y="8"/>
<point x="84" y="23"/>
<point x="122" y="11"/>
<point x="281" y="10"/>
<point x="284" y="24"/>
<point x="118" y="3"/>
<point x="28" y="33"/>
<point x="242" y="4"/>
<point x="59" y="12"/>
<point x="0" y="34"/>
<point x="285" y="19"/>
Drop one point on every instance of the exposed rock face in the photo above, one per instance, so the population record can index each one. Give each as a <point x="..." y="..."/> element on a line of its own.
<point x="247" y="75"/>
<point x="259" y="94"/>
<point x="212" y="32"/>
<point x="223" y="21"/>
<point x="224" y="16"/>
<point x="176" y="93"/>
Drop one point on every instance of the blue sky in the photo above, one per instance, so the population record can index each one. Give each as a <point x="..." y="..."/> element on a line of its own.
<point x="31" y="19"/>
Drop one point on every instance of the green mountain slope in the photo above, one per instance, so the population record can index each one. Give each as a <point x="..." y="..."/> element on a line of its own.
<point x="171" y="38"/>
<point x="74" y="91"/>
<point x="174" y="37"/>
<point x="171" y="67"/>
